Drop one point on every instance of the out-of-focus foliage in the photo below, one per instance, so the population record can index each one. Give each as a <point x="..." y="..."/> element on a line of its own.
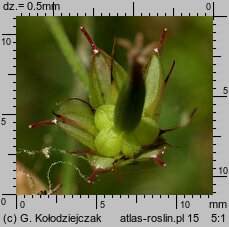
<point x="44" y="78"/>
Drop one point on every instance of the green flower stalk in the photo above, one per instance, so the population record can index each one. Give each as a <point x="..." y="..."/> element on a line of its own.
<point x="119" y="124"/>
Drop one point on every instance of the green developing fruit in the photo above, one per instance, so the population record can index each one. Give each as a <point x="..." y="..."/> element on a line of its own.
<point x="113" y="144"/>
<point x="104" y="117"/>
<point x="129" y="146"/>
<point x="108" y="143"/>
<point x="147" y="131"/>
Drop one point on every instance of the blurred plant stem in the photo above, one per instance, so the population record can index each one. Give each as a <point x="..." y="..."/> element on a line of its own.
<point x="68" y="174"/>
<point x="67" y="49"/>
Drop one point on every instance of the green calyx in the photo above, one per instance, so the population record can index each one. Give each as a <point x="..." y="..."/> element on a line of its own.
<point x="119" y="123"/>
<point x="121" y="116"/>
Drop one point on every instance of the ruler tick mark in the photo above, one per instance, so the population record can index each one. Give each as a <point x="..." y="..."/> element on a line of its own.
<point x="219" y="96"/>
<point x="96" y="202"/>
<point x="9" y="114"/>
<point x="133" y="8"/>
<point x="213" y="11"/>
<point x="9" y="34"/>
<point x="176" y="203"/>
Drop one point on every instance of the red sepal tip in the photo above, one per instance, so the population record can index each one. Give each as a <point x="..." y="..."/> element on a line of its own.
<point x="162" y="40"/>
<point x="41" y="123"/>
<point x="90" y="40"/>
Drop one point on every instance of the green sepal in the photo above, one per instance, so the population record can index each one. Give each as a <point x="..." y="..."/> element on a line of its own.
<point x="82" y="136"/>
<point x="100" y="86"/>
<point x="151" y="154"/>
<point x="100" y="162"/>
<point x="129" y="106"/>
<point x="153" y="80"/>
<point x="79" y="122"/>
<point x="106" y="162"/>
<point x="145" y="156"/>
<point x="119" y="75"/>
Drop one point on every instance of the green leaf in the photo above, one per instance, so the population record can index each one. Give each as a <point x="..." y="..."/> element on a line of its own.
<point x="153" y="80"/>
<point x="129" y="106"/>
<point x="77" y="119"/>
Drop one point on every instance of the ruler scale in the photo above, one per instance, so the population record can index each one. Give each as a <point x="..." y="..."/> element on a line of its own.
<point x="103" y="210"/>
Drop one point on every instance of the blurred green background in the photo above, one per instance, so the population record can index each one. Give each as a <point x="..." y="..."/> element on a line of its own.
<point x="44" y="78"/>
